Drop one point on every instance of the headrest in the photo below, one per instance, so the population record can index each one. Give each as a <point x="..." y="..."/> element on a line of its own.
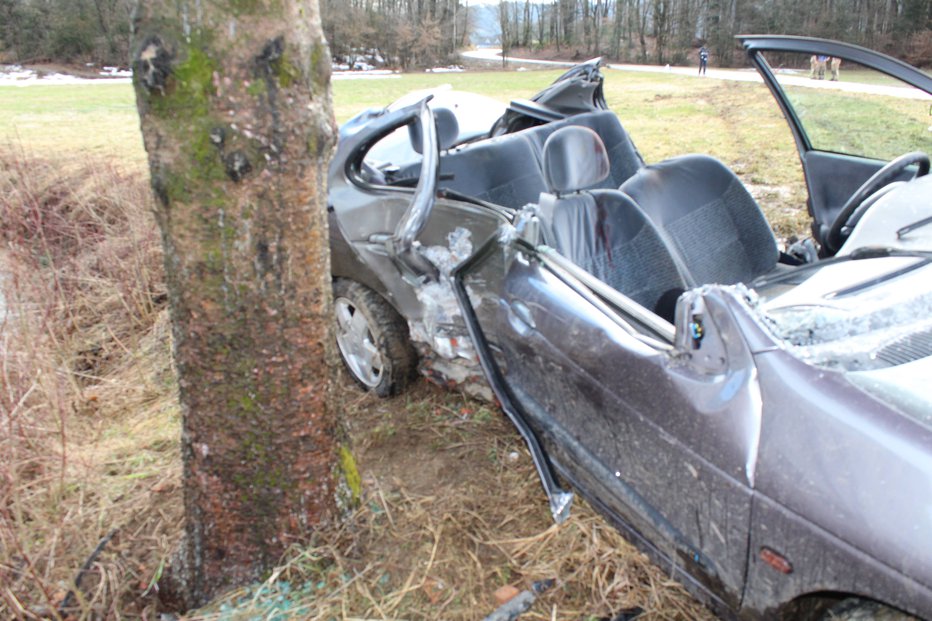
<point x="574" y="159"/>
<point x="448" y="129"/>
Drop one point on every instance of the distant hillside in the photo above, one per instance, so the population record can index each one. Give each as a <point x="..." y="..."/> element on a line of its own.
<point x="484" y="25"/>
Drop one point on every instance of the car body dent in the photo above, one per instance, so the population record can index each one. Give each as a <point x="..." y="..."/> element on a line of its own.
<point x="719" y="372"/>
<point x="713" y="405"/>
<point x="845" y="468"/>
<point x="402" y="240"/>
<point x="617" y="399"/>
<point x="822" y="565"/>
<point x="834" y="464"/>
<point x="401" y="245"/>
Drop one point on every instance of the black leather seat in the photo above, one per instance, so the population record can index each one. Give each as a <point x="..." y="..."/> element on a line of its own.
<point x="602" y="231"/>
<point x="717" y="229"/>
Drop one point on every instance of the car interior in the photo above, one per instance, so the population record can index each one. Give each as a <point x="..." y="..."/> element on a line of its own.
<point x="603" y="231"/>
<point x="679" y="223"/>
<point x="507" y="170"/>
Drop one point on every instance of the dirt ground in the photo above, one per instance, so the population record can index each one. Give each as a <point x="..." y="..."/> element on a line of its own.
<point x="452" y="511"/>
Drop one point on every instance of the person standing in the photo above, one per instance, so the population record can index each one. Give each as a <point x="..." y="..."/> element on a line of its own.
<point x="821" y="61"/>
<point x="703" y="59"/>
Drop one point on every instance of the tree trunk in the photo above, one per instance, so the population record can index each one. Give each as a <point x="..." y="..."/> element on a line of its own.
<point x="235" y="107"/>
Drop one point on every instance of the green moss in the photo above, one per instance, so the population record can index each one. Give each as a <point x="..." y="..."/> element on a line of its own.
<point x="202" y="163"/>
<point x="266" y="474"/>
<point x="350" y="473"/>
<point x="317" y="53"/>
<point x="206" y="158"/>
<point x="320" y="68"/>
<point x="286" y="72"/>
<point x="248" y="405"/>
<point x="256" y="88"/>
<point x="189" y="87"/>
<point x="245" y="6"/>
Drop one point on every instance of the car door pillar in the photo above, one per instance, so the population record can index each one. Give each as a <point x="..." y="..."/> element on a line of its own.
<point x="403" y="245"/>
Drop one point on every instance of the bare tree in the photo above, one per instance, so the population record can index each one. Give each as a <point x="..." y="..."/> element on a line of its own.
<point x="235" y="107"/>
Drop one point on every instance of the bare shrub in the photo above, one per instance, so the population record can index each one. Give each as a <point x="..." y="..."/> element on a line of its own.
<point x="86" y="389"/>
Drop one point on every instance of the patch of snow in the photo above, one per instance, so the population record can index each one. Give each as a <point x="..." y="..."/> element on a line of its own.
<point x="116" y="72"/>
<point x="374" y="74"/>
<point x="450" y="69"/>
<point x="15" y="75"/>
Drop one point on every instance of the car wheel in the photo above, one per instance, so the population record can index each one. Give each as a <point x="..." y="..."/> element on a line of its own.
<point x="373" y="339"/>
<point x="854" y="609"/>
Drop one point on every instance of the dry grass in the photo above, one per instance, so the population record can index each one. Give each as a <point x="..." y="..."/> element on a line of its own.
<point x="89" y="458"/>
<point x="435" y="541"/>
<point x="88" y="419"/>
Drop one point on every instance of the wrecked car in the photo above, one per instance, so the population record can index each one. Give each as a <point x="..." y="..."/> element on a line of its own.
<point x="759" y="422"/>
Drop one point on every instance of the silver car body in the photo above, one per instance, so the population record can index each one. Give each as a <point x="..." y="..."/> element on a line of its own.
<point x="770" y="443"/>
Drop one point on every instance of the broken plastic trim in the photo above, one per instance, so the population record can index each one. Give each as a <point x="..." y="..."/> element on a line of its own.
<point x="560" y="500"/>
<point x="438" y="324"/>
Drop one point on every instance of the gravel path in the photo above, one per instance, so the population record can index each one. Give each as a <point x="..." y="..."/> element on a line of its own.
<point x="795" y="78"/>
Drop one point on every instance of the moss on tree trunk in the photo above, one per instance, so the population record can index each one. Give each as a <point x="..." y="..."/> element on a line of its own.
<point x="236" y="116"/>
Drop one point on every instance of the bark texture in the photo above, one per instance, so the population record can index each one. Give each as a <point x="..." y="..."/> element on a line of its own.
<point x="235" y="108"/>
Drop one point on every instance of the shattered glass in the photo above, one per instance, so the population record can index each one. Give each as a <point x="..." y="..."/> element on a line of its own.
<point x="847" y="315"/>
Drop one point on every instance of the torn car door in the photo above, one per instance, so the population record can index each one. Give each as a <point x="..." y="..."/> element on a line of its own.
<point x="663" y="441"/>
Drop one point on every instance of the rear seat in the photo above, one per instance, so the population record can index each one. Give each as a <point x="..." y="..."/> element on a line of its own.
<point x="506" y="170"/>
<point x="503" y="170"/>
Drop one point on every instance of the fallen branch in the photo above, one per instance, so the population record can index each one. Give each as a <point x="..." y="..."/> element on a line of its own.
<point x="68" y="602"/>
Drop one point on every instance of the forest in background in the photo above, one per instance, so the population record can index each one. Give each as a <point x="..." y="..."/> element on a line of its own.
<point x="671" y="31"/>
<point x="418" y="33"/>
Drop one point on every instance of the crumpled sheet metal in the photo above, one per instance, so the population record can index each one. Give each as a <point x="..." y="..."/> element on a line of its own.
<point x="846" y="332"/>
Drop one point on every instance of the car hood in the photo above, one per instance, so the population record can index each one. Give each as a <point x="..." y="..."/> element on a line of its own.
<point x="868" y="318"/>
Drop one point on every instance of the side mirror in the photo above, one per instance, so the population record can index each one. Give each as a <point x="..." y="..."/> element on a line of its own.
<point x="698" y="336"/>
<point x="527" y="226"/>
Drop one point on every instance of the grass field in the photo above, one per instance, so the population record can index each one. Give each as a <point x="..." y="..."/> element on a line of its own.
<point x="452" y="510"/>
<point x="665" y="114"/>
<point x="73" y="121"/>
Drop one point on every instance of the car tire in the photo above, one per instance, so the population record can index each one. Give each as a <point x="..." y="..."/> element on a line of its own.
<point x="855" y="609"/>
<point x="372" y="338"/>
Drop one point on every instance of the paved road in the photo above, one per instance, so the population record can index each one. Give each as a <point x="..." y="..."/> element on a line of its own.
<point x="795" y="78"/>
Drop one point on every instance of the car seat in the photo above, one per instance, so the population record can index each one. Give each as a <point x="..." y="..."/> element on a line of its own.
<point x="707" y="215"/>
<point x="603" y="231"/>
